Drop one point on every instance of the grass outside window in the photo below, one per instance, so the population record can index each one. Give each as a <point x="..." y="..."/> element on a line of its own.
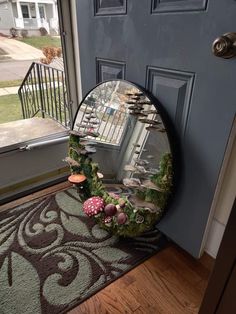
<point x="10" y="108"/>
<point x="42" y="41"/>
<point x="11" y="83"/>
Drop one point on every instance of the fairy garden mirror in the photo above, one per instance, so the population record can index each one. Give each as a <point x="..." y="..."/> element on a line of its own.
<point x="120" y="158"/>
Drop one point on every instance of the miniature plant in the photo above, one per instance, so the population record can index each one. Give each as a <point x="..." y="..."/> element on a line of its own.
<point x="13" y="32"/>
<point x="43" y="31"/>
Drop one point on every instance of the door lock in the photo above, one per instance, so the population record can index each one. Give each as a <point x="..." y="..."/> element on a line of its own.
<point x="225" y="46"/>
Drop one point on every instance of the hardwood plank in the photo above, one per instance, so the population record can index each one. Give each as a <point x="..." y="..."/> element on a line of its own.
<point x="114" y="299"/>
<point x="171" y="282"/>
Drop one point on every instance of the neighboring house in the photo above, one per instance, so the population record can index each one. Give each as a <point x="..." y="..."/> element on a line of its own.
<point x="28" y="15"/>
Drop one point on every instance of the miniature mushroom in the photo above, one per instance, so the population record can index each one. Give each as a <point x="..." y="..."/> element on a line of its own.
<point x="90" y="149"/>
<point x="121" y="202"/>
<point x="93" y="206"/>
<point x="107" y="220"/>
<point x="130" y="168"/>
<point x="152" y="186"/>
<point x="151" y="111"/>
<point x="110" y="210"/>
<point x="153" y="127"/>
<point x="139" y="203"/>
<point x="131" y="182"/>
<point x="72" y="162"/>
<point x="76" y="178"/>
<point x="100" y="175"/>
<point x="141" y="162"/>
<point x="85" y="142"/>
<point x="149" y="121"/>
<point x="121" y="218"/>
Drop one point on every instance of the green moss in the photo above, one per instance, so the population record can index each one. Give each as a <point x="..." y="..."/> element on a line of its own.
<point x="94" y="187"/>
<point x="163" y="180"/>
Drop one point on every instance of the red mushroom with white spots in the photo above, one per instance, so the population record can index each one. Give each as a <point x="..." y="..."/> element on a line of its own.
<point x="93" y="206"/>
<point x="107" y="220"/>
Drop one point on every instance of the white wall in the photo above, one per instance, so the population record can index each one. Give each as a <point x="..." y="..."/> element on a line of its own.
<point x="6" y="17"/>
<point x="225" y="198"/>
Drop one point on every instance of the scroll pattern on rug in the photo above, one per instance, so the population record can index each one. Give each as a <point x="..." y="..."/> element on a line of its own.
<point x="52" y="256"/>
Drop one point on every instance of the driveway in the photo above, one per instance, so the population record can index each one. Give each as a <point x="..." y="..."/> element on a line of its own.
<point x="18" y="50"/>
<point x="14" y="70"/>
<point x="16" y="58"/>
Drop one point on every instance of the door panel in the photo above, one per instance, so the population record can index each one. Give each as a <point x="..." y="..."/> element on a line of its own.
<point x="165" y="46"/>
<point x="167" y="6"/>
<point x="109" y="70"/>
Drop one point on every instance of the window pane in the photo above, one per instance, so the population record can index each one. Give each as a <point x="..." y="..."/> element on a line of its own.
<point x="25" y="11"/>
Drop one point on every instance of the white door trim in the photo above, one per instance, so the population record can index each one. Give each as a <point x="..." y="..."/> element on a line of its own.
<point x="222" y="180"/>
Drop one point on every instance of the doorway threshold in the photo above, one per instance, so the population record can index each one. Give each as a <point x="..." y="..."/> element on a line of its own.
<point x="18" y="132"/>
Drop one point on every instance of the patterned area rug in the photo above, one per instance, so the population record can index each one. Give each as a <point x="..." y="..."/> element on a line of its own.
<point x="53" y="257"/>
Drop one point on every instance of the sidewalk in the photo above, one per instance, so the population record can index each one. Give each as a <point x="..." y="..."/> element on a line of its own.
<point x="14" y="90"/>
<point x="9" y="90"/>
<point x="18" y="50"/>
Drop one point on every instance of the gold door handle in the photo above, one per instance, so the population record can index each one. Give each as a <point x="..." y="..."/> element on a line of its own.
<point x="225" y="46"/>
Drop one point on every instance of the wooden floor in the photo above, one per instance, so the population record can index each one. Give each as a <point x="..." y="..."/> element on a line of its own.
<point x="171" y="282"/>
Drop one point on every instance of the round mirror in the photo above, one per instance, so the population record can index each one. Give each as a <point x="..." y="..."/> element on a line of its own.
<point x="120" y="158"/>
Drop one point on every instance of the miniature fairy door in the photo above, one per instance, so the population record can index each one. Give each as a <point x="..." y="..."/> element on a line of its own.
<point x="166" y="47"/>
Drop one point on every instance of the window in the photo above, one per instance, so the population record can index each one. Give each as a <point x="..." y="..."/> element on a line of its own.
<point x="42" y="12"/>
<point x="25" y="11"/>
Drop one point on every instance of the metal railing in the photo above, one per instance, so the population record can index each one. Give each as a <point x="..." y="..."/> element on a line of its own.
<point x="109" y="123"/>
<point x="43" y="93"/>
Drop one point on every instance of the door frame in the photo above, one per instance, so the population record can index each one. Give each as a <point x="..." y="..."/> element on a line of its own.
<point x="223" y="269"/>
<point x="222" y="180"/>
<point x="70" y="43"/>
<point x="48" y="142"/>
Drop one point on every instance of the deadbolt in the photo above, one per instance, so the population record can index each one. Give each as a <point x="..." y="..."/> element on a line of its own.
<point x="225" y="46"/>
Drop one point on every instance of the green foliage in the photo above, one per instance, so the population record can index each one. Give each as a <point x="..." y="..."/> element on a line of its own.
<point x="43" y="31"/>
<point x="10" y="83"/>
<point x="13" y="32"/>
<point x="41" y="41"/>
<point x="10" y="108"/>
<point x="139" y="220"/>
<point x="93" y="185"/>
<point x="163" y="180"/>
<point x="24" y="33"/>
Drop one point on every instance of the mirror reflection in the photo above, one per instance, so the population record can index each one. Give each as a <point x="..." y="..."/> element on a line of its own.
<point x="119" y="138"/>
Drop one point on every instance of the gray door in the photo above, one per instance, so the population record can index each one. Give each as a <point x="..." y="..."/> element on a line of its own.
<point x="165" y="46"/>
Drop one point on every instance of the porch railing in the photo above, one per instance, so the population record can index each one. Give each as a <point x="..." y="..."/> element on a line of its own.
<point x="109" y="123"/>
<point x="32" y="23"/>
<point x="43" y="94"/>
